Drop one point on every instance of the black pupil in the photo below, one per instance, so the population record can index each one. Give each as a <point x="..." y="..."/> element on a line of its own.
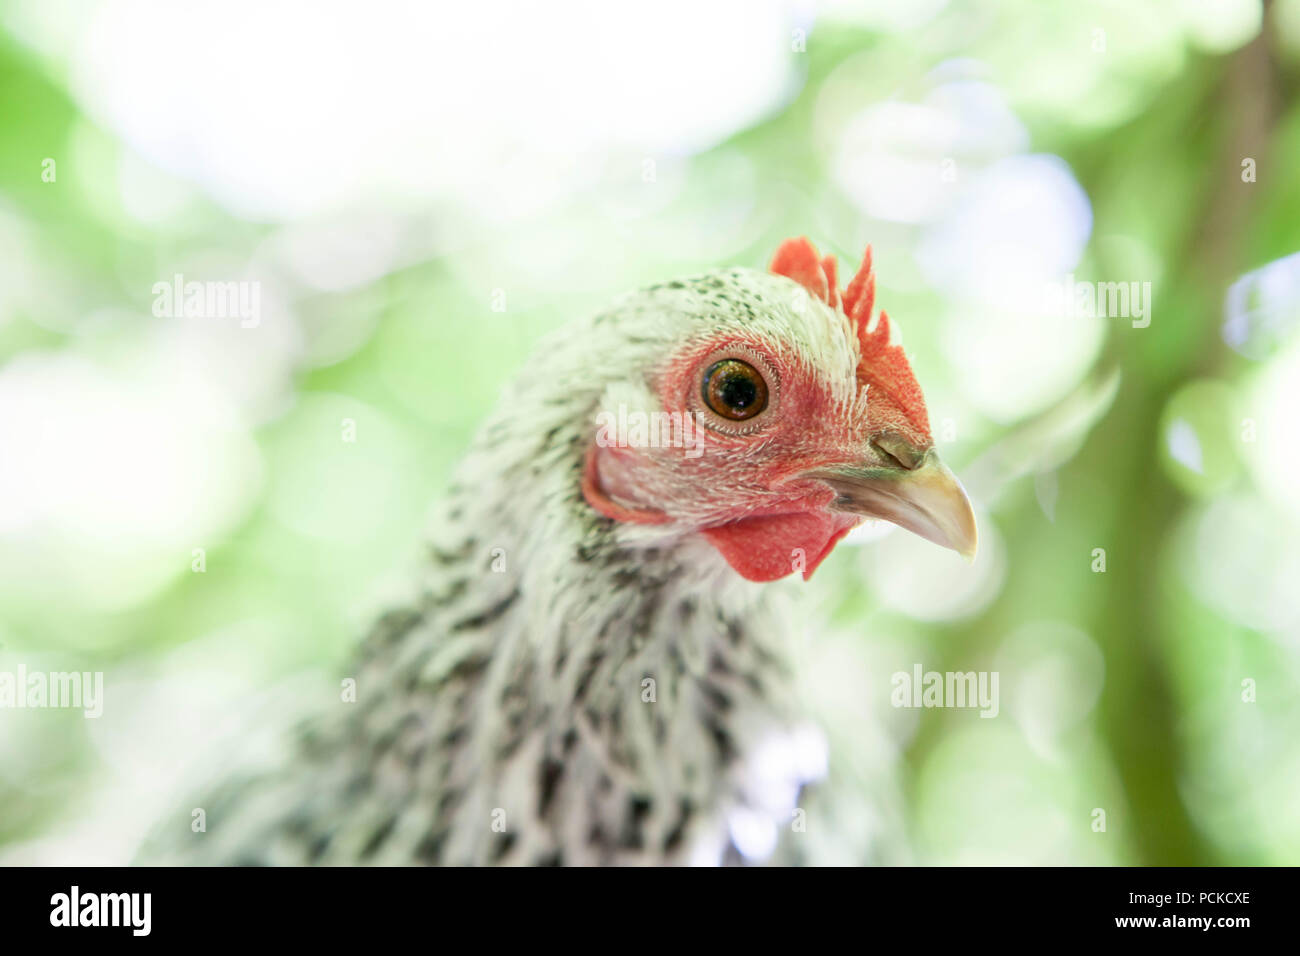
<point x="732" y="389"/>
<point x="738" y="391"/>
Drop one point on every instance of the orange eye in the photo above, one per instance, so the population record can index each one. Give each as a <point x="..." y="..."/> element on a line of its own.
<point x="734" y="389"/>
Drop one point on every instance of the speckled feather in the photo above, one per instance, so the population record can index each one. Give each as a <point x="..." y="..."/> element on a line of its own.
<point x="510" y="689"/>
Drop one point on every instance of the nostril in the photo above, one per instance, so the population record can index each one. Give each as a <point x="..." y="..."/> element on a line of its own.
<point x="889" y="459"/>
<point x="898" y="450"/>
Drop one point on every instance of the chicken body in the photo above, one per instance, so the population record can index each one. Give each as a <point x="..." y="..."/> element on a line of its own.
<point x="583" y="676"/>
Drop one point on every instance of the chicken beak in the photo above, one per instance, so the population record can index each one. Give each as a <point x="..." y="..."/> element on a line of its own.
<point x="915" y="491"/>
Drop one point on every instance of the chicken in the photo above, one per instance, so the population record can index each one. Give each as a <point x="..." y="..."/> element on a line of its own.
<point x="594" y="670"/>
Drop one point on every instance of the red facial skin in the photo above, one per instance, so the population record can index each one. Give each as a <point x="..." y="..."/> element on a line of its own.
<point x="767" y="536"/>
<point x="745" y="489"/>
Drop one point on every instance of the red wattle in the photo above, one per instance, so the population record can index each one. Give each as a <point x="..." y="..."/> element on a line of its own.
<point x="768" y="547"/>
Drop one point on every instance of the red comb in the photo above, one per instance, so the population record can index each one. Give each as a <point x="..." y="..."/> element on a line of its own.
<point x="880" y="365"/>
<point x="797" y="259"/>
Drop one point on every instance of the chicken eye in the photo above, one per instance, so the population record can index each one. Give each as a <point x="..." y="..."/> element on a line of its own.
<point x="734" y="389"/>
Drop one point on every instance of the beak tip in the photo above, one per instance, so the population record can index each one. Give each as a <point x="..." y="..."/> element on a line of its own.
<point x="969" y="541"/>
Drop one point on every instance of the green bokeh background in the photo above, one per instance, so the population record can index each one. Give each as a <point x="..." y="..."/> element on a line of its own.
<point x="1121" y="691"/>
